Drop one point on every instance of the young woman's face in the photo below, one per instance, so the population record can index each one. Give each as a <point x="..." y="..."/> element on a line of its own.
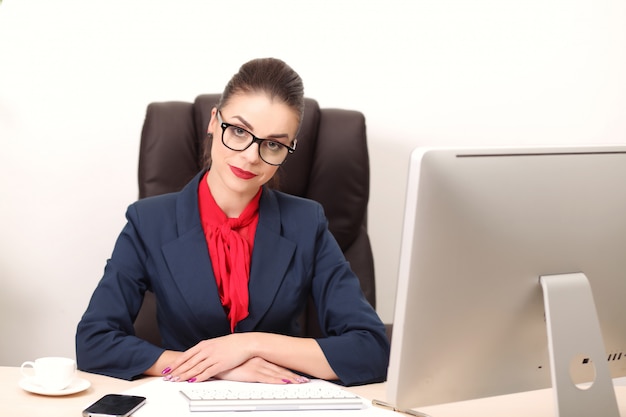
<point x="243" y="172"/>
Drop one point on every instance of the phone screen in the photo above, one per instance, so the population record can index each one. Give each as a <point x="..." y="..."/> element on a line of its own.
<point x="116" y="405"/>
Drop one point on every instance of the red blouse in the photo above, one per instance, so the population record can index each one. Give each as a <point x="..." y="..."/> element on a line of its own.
<point x="230" y="242"/>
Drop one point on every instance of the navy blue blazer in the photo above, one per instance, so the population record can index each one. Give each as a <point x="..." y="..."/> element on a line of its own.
<point x="162" y="248"/>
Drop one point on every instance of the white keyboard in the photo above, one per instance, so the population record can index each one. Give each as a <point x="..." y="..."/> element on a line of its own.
<point x="238" y="396"/>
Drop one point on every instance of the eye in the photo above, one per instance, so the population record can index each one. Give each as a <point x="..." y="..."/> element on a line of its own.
<point x="238" y="133"/>
<point x="273" y="146"/>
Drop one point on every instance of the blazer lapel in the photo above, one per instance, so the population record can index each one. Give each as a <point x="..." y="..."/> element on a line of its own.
<point x="270" y="259"/>
<point x="190" y="266"/>
<point x="189" y="263"/>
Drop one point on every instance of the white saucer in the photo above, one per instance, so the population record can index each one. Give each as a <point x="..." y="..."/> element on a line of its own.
<point x="77" y="385"/>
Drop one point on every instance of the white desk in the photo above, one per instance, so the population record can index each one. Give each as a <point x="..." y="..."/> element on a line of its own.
<point x="526" y="404"/>
<point x="16" y="402"/>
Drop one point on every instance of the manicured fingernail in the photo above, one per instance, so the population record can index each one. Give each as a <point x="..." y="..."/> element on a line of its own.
<point x="302" y="379"/>
<point x="166" y="371"/>
<point x="286" y="381"/>
<point x="191" y="380"/>
<point x="167" y="378"/>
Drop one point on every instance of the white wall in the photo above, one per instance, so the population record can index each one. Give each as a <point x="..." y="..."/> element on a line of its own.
<point x="76" y="76"/>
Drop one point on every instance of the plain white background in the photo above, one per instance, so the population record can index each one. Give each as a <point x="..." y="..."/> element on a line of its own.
<point x="76" y="76"/>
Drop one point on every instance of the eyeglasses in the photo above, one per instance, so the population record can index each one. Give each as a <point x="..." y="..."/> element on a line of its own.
<point x="236" y="138"/>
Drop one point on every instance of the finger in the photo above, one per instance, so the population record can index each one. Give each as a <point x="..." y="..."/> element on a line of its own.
<point x="179" y="361"/>
<point x="207" y="370"/>
<point x="192" y="368"/>
<point x="275" y="374"/>
<point x="282" y="377"/>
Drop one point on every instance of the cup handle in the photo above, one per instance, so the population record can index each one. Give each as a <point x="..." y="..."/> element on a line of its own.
<point x="26" y="365"/>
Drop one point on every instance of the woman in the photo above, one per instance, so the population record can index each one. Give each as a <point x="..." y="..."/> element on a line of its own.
<point x="232" y="263"/>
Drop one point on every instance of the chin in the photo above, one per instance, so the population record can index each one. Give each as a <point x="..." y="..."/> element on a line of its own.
<point x="244" y="186"/>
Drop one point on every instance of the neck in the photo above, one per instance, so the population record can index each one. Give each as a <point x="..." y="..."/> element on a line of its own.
<point x="231" y="202"/>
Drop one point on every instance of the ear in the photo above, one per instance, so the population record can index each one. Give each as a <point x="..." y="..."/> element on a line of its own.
<point x="213" y="121"/>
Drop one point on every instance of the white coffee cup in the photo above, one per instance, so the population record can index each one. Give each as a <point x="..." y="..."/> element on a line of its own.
<point x="51" y="373"/>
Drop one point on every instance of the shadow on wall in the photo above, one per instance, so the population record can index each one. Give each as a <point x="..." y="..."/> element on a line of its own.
<point x="389" y="170"/>
<point x="18" y="318"/>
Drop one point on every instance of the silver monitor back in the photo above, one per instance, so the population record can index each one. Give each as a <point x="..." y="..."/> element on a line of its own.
<point x="481" y="226"/>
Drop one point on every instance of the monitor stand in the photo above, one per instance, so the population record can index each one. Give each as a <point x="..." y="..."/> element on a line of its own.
<point x="574" y="332"/>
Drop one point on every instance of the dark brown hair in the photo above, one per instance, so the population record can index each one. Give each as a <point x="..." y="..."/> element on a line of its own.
<point x="270" y="76"/>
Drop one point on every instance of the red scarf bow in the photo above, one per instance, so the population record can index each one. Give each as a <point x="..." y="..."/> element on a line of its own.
<point x="230" y="242"/>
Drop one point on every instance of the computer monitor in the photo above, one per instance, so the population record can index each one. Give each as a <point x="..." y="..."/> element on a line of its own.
<point x="503" y="253"/>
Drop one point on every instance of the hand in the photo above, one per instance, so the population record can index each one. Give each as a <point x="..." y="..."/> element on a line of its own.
<point x="210" y="358"/>
<point x="259" y="370"/>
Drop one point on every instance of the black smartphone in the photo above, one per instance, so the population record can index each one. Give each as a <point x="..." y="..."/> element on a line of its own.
<point x="114" y="405"/>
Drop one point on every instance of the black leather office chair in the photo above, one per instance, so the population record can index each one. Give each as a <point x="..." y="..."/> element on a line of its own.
<point x="331" y="165"/>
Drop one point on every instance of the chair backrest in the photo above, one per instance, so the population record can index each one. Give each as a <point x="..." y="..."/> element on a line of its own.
<point x="331" y="166"/>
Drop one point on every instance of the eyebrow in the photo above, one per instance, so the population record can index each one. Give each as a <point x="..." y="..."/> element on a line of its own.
<point x="249" y="127"/>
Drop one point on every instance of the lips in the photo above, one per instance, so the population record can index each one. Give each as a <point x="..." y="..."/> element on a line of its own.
<point x="240" y="173"/>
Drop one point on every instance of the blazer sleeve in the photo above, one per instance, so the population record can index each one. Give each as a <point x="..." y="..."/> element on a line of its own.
<point x="356" y="344"/>
<point x="105" y="340"/>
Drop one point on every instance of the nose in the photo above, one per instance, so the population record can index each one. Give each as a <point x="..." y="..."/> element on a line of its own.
<point x="252" y="153"/>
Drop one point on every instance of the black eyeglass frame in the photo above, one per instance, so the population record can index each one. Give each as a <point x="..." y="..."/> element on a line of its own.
<point x="255" y="139"/>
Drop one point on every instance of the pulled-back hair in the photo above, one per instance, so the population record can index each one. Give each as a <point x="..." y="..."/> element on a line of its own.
<point x="270" y="76"/>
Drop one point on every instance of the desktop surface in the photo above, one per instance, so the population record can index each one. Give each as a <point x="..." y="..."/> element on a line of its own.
<point x="16" y="402"/>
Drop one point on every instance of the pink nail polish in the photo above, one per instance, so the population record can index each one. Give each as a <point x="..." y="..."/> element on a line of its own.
<point x="192" y="380"/>
<point x="286" y="381"/>
<point x="166" y="371"/>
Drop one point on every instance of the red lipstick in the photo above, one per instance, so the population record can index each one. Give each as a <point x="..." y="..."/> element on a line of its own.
<point x="240" y="173"/>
